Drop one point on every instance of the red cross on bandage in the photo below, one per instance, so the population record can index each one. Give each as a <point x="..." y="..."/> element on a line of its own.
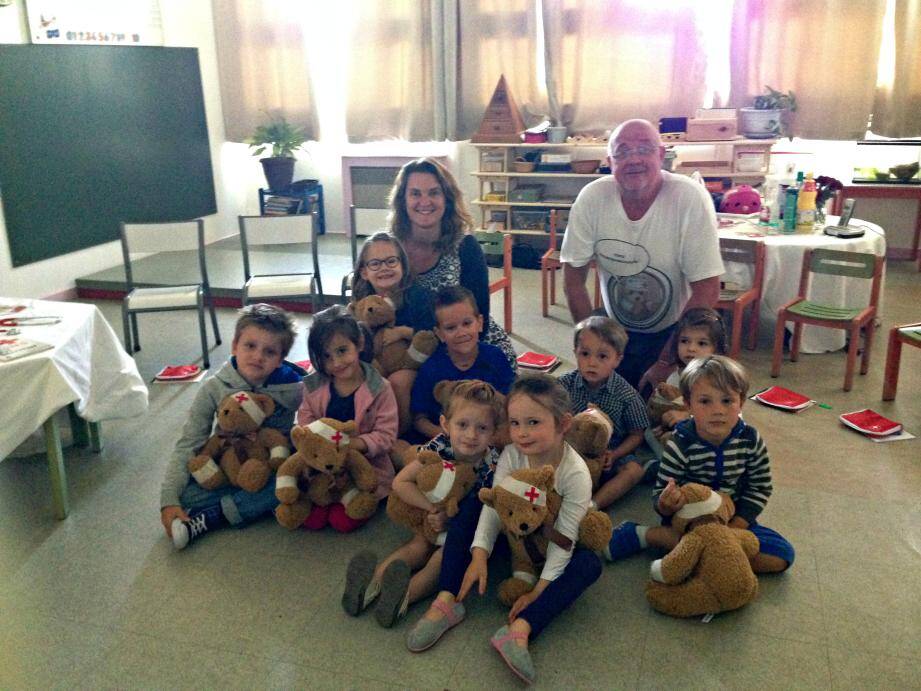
<point x="532" y="494"/>
<point x="447" y="465"/>
<point x="8" y="341"/>
<point x="337" y="437"/>
<point x="241" y="397"/>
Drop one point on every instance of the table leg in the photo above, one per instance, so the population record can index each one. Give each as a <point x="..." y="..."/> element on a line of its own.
<point x="78" y="429"/>
<point x="95" y="437"/>
<point x="56" y="468"/>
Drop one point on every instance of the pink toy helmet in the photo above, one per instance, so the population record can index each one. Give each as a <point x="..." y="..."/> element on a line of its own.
<point x="741" y="200"/>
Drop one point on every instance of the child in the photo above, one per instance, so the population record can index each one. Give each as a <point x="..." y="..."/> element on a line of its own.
<point x="538" y="415"/>
<point x="715" y="447"/>
<point x="461" y="355"/>
<point x="599" y="344"/>
<point x="470" y="418"/>
<point x="383" y="269"/>
<point x="699" y="333"/>
<point x="343" y="387"/>
<point x="262" y="338"/>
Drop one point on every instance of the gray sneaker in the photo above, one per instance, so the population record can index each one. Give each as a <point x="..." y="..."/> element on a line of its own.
<point x="358" y="577"/>
<point x="394" y="584"/>
<point x="427" y="633"/>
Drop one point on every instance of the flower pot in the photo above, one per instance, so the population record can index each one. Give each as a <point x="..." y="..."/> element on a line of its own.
<point x="760" y="124"/>
<point x="279" y="172"/>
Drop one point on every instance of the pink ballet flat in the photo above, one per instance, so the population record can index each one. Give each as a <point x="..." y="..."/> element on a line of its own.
<point x="427" y="633"/>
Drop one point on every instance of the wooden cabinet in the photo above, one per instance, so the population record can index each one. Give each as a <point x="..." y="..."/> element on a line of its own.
<point x="742" y="160"/>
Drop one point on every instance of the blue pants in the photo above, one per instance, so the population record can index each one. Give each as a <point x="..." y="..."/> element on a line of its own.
<point x="583" y="569"/>
<point x="455" y="555"/>
<point x="773" y="543"/>
<point x="641" y="353"/>
<point x="238" y="506"/>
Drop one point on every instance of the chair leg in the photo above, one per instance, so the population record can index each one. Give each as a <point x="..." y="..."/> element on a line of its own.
<point x="543" y="291"/>
<point x="217" y="334"/>
<point x="553" y="285"/>
<point x="777" y="355"/>
<point x="852" y="347"/>
<point x="869" y="332"/>
<point x="204" y="337"/>
<point x="136" y="340"/>
<point x="321" y="299"/>
<point x="796" y="341"/>
<point x="753" y="320"/>
<point x="126" y="327"/>
<point x="507" y="297"/>
<point x="735" y="344"/>
<point x="893" y="360"/>
<point x="597" y="289"/>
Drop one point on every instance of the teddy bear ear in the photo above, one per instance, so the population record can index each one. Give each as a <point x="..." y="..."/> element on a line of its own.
<point x="298" y="434"/>
<point x="265" y="402"/>
<point x="348" y="427"/>
<point x="545" y="476"/>
<point x="442" y="391"/>
<point x="487" y="495"/>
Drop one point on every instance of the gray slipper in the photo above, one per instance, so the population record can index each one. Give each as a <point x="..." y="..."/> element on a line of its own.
<point x="394" y="584"/>
<point x="427" y="633"/>
<point x="517" y="658"/>
<point x="358" y="577"/>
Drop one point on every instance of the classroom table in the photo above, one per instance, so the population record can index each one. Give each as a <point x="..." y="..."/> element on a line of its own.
<point x="783" y="265"/>
<point x="86" y="371"/>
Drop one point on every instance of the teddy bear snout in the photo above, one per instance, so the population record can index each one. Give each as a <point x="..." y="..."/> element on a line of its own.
<point x="524" y="528"/>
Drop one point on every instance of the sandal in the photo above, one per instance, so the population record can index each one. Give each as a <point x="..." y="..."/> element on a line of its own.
<point x="426" y="633"/>
<point x="517" y="658"/>
<point x="359" y="589"/>
<point x="394" y="585"/>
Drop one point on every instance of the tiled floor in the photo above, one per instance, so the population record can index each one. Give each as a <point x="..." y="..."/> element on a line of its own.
<point x="101" y="600"/>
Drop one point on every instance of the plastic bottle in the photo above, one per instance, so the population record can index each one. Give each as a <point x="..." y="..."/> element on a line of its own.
<point x="805" y="206"/>
<point x="789" y="209"/>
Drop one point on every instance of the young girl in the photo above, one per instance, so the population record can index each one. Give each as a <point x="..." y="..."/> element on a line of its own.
<point x="473" y="412"/>
<point x="538" y="415"/>
<point x="699" y="333"/>
<point x="383" y="269"/>
<point x="346" y="388"/>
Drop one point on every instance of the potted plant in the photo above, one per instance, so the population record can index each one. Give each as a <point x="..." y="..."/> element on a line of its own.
<point x="765" y="119"/>
<point x="284" y="139"/>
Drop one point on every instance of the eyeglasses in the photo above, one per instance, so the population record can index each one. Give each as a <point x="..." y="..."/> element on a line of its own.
<point x="627" y="151"/>
<point x="376" y="264"/>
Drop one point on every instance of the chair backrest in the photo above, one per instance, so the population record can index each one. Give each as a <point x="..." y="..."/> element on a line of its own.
<point x="154" y="238"/>
<point x="843" y="263"/>
<point x="750" y="252"/>
<point x="295" y="229"/>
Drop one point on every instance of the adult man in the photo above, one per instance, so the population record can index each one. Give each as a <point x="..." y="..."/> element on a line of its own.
<point x="653" y="237"/>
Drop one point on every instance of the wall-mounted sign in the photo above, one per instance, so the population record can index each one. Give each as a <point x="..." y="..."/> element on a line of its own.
<point x="95" y="22"/>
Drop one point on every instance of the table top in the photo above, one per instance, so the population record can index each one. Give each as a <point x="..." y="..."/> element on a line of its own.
<point x="86" y="366"/>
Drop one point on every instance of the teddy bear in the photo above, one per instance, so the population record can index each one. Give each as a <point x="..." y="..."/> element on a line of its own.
<point x="443" y="482"/>
<point x="395" y="347"/>
<point x="525" y="501"/>
<point x="324" y="470"/>
<point x="665" y="397"/>
<point x="589" y="435"/>
<point x="241" y="452"/>
<point x="709" y="571"/>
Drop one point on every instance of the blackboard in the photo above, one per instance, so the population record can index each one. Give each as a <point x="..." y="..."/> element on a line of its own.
<point x="94" y="135"/>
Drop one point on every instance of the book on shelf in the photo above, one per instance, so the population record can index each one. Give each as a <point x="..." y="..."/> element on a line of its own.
<point x="14" y="347"/>
<point x="542" y="362"/>
<point x="282" y="206"/>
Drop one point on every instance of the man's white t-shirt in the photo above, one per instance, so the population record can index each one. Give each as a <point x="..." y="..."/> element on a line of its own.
<point x="646" y="266"/>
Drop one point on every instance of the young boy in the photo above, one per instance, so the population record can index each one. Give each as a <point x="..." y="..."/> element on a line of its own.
<point x="715" y="447"/>
<point x="599" y="344"/>
<point x="262" y="338"/>
<point x="461" y="355"/>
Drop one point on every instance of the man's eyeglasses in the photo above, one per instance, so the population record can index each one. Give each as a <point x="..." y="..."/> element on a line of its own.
<point x="641" y="150"/>
<point x="376" y="264"/>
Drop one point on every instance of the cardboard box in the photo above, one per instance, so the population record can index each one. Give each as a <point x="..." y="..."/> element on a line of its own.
<point x="711" y="129"/>
<point x="528" y="219"/>
<point x="526" y="193"/>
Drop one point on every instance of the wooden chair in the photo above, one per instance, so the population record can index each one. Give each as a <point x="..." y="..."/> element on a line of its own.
<point x="909" y="334"/>
<point x="748" y="252"/>
<point x="500" y="244"/>
<point x="802" y="311"/>
<point x="550" y="263"/>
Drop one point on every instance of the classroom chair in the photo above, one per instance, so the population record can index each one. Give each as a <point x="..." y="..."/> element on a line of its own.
<point x="155" y="238"/>
<point x="735" y="300"/>
<point x="496" y="244"/>
<point x="349" y="277"/>
<point x="909" y="334"/>
<point x="550" y="263"/>
<point x="853" y="320"/>
<point x="267" y="240"/>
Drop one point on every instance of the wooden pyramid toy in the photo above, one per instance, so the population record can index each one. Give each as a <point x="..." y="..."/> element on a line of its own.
<point x="502" y="122"/>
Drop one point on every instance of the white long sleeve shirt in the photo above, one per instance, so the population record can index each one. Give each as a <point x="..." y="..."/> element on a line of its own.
<point x="571" y="481"/>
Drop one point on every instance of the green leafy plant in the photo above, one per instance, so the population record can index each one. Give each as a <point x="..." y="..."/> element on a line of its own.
<point x="279" y="134"/>
<point x="775" y="100"/>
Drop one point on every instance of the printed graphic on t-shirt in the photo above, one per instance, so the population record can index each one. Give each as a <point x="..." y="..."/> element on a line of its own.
<point x="638" y="295"/>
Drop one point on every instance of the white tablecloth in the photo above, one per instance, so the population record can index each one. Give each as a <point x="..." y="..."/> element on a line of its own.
<point x="87" y="367"/>
<point x="783" y="265"/>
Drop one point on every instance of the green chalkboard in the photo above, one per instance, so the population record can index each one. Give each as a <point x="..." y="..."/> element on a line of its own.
<point x="94" y="135"/>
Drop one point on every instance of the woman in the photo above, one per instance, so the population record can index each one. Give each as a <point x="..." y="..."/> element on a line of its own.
<point x="429" y="218"/>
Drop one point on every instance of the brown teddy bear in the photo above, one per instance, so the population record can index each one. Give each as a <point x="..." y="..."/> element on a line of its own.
<point x="322" y="471"/>
<point x="395" y="347"/>
<point x="664" y="397"/>
<point x="246" y="453"/>
<point x="709" y="570"/>
<point x="444" y="483"/>
<point x="589" y="435"/>
<point x="525" y="501"/>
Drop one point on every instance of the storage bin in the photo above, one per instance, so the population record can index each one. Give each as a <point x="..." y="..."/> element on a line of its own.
<point x="529" y="219"/>
<point x="711" y="129"/>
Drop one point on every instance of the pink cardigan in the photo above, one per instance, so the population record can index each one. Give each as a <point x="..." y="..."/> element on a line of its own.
<point x="375" y="415"/>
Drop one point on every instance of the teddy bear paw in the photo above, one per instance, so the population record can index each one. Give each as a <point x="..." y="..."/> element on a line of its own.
<point x="206" y="472"/>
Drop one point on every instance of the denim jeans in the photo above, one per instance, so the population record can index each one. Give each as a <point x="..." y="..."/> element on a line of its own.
<point x="238" y="506"/>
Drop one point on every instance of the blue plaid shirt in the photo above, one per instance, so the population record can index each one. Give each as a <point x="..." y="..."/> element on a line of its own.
<point x="615" y="398"/>
<point x="484" y="470"/>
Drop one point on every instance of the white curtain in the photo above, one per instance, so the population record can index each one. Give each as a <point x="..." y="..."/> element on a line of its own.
<point x="897" y="107"/>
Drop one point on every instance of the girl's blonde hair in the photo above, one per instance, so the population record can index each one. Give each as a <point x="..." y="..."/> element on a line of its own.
<point x="545" y="390"/>
<point x="456" y="219"/>
<point x="362" y="288"/>
<point x="479" y="392"/>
